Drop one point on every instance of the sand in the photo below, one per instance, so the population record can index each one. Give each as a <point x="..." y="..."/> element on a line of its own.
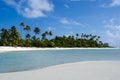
<point x="91" y="70"/>
<point x="9" y="49"/>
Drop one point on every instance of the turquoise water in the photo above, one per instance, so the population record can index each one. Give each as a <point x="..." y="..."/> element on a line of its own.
<point x="27" y="60"/>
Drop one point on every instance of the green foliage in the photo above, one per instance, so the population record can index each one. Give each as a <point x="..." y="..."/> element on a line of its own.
<point x="37" y="30"/>
<point x="11" y="37"/>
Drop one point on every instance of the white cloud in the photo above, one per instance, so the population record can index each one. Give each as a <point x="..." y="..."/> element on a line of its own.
<point x="112" y="34"/>
<point x="78" y="23"/>
<point x="66" y="6"/>
<point x="103" y="5"/>
<point x="31" y="8"/>
<point x="11" y="2"/>
<point x="113" y="38"/>
<point x="51" y="28"/>
<point x="111" y="25"/>
<point x="114" y="27"/>
<point x="115" y="3"/>
<point x="71" y="22"/>
<point x="64" y="21"/>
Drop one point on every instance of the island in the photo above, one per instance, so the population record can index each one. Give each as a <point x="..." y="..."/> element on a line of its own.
<point x="12" y="37"/>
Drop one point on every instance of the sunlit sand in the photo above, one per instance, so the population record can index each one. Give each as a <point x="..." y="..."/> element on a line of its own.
<point x="9" y="49"/>
<point x="94" y="70"/>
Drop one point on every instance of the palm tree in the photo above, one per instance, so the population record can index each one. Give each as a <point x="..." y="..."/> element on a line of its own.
<point x="37" y="30"/>
<point x="34" y="38"/>
<point x="28" y="36"/>
<point x="4" y="34"/>
<point x="14" y="32"/>
<point x="14" y="35"/>
<point x="50" y="33"/>
<point x="77" y="36"/>
<point x="82" y="35"/>
<point x="27" y="28"/>
<point x="46" y="32"/>
<point x="44" y="35"/>
<point x="22" y="24"/>
<point x="1" y="34"/>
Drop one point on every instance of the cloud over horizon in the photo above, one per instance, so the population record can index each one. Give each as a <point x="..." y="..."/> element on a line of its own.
<point x="115" y="3"/>
<point x="31" y="8"/>
<point x="112" y="33"/>
<point x="112" y="3"/>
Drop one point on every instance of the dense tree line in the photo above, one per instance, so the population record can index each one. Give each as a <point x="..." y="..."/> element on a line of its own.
<point x="11" y="37"/>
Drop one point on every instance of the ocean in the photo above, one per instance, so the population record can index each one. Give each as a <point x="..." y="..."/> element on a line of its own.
<point x="29" y="60"/>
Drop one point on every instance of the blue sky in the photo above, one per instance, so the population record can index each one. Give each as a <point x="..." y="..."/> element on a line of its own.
<point x="65" y="17"/>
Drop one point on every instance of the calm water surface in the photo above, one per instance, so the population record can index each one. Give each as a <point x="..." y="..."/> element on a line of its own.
<point x="21" y="61"/>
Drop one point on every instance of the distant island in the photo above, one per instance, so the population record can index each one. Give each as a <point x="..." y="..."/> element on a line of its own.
<point x="12" y="37"/>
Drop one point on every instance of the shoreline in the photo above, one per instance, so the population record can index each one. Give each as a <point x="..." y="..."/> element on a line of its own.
<point x="88" y="70"/>
<point x="11" y="49"/>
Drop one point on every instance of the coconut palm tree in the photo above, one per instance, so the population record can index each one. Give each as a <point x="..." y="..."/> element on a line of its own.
<point x="50" y="33"/>
<point x="4" y="34"/>
<point x="28" y="36"/>
<point x="27" y="28"/>
<point x="37" y="30"/>
<point x="34" y="37"/>
<point x="14" y="35"/>
<point x="22" y="24"/>
<point x="44" y="35"/>
<point x="82" y="35"/>
<point x="77" y="36"/>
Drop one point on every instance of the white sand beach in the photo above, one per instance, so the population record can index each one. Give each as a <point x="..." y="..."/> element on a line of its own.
<point x="94" y="70"/>
<point x="9" y="49"/>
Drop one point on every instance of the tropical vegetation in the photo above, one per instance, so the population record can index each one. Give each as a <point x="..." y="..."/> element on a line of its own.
<point x="12" y="37"/>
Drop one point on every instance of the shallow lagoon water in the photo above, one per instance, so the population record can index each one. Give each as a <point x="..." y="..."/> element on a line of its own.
<point x="28" y="60"/>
